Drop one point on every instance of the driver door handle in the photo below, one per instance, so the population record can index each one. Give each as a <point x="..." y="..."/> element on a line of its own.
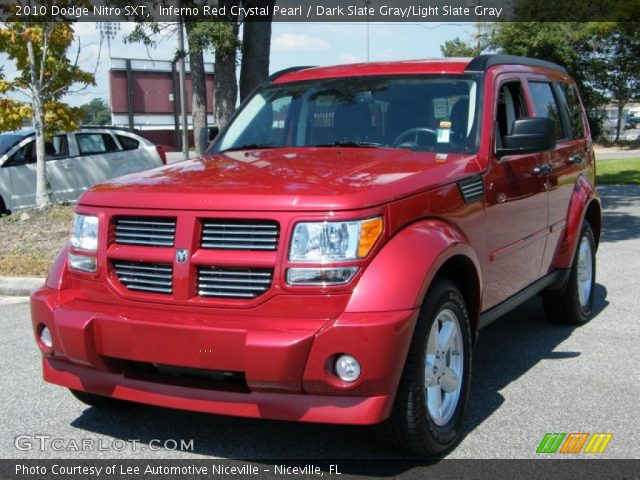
<point x="574" y="159"/>
<point x="542" y="169"/>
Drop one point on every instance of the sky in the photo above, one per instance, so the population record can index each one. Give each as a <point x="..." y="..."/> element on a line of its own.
<point x="291" y="44"/>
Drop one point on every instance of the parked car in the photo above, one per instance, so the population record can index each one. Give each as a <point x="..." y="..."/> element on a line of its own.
<point x="334" y="254"/>
<point x="75" y="162"/>
<point x="632" y="121"/>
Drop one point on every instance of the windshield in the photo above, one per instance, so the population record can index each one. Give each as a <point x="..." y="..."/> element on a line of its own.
<point x="427" y="113"/>
<point x="8" y="140"/>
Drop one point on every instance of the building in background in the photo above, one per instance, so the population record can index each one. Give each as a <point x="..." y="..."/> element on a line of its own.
<point x="144" y="94"/>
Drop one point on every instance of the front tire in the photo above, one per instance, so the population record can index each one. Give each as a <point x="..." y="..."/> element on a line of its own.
<point x="427" y="416"/>
<point x="575" y="303"/>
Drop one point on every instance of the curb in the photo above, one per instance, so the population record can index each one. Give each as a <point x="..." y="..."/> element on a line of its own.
<point x="19" y="286"/>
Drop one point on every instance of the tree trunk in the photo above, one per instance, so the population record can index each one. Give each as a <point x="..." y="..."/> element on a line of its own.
<point x="198" y="87"/>
<point x="619" y="123"/>
<point x="225" y="93"/>
<point x="42" y="191"/>
<point x="256" y="47"/>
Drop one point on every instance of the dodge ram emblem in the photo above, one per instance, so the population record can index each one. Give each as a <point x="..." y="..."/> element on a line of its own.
<point x="182" y="255"/>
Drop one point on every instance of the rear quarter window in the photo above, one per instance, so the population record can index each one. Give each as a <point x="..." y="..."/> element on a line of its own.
<point x="574" y="110"/>
<point x="128" y="143"/>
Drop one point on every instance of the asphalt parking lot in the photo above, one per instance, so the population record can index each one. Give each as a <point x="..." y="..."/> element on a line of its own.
<point x="530" y="377"/>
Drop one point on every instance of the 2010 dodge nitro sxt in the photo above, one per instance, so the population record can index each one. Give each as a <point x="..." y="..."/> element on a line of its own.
<point x="333" y="255"/>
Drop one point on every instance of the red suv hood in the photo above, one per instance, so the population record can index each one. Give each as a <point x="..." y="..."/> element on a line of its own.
<point x="284" y="179"/>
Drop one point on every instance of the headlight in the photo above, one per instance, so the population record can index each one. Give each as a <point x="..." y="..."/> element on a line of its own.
<point x="334" y="241"/>
<point x="84" y="232"/>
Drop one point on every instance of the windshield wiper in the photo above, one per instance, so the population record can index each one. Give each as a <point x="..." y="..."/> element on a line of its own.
<point x="249" y="146"/>
<point x="350" y="144"/>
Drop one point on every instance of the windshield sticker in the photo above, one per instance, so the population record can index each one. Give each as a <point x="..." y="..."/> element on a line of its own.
<point x="443" y="135"/>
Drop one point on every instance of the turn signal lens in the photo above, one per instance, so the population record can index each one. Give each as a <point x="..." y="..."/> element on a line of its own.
<point x="369" y="234"/>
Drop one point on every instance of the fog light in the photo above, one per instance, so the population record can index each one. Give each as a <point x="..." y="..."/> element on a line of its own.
<point x="45" y="337"/>
<point x="347" y="368"/>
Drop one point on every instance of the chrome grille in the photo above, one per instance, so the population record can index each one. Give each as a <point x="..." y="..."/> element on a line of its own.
<point x="233" y="282"/>
<point x="147" y="231"/>
<point x="240" y="234"/>
<point x="145" y="277"/>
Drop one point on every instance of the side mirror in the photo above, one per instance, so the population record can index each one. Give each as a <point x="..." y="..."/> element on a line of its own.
<point x="529" y="135"/>
<point x="207" y="134"/>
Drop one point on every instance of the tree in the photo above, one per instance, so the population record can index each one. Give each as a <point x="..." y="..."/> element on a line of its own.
<point x="459" y="48"/>
<point x="198" y="81"/>
<point x="225" y="42"/>
<point x="256" y="49"/>
<point x="45" y="75"/>
<point x="601" y="57"/>
<point x="615" y="65"/>
<point x="220" y="36"/>
<point x="96" y="112"/>
<point x="567" y="44"/>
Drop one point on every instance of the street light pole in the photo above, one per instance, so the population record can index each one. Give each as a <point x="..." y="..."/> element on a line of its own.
<point x="183" y="92"/>
<point x="367" y="3"/>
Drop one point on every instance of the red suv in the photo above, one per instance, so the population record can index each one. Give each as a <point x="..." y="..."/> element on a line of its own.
<point x="335" y="253"/>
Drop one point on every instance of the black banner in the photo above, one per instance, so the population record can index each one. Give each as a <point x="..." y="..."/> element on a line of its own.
<point x="321" y="10"/>
<point x="315" y="469"/>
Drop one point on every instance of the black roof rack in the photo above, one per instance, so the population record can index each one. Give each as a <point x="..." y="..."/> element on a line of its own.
<point x="278" y="74"/>
<point x="483" y="62"/>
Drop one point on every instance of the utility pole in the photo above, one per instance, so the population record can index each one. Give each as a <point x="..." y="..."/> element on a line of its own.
<point x="366" y="4"/>
<point x="183" y="93"/>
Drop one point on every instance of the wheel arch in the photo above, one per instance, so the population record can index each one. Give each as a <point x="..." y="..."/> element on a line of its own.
<point x="399" y="277"/>
<point x="584" y="205"/>
<point x="462" y="272"/>
<point x="593" y="215"/>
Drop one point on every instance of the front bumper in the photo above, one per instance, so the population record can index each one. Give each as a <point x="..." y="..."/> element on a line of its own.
<point x="285" y="363"/>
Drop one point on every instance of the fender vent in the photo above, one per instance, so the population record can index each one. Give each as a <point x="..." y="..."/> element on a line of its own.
<point x="472" y="189"/>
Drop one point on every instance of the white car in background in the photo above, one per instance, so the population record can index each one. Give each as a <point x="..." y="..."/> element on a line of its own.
<point x="75" y="162"/>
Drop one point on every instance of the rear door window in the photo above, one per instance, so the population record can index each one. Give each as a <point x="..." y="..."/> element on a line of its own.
<point x="545" y="104"/>
<point x="95" y="143"/>
<point x="56" y="148"/>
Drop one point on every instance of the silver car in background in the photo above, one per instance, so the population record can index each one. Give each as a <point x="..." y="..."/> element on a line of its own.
<point x="75" y="162"/>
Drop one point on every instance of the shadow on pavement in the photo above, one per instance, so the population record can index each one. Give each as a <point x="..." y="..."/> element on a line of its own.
<point x="506" y="350"/>
<point x="621" y="220"/>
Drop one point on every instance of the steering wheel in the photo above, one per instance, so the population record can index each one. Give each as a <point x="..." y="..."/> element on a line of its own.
<point x="400" y="139"/>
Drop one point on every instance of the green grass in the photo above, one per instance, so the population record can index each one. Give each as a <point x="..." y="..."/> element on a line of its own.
<point x="625" y="171"/>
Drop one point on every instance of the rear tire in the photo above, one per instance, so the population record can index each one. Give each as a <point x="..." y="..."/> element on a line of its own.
<point x="574" y="304"/>
<point x="99" y="401"/>
<point x="437" y="372"/>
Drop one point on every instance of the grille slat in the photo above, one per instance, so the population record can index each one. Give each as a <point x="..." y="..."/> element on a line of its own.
<point x="146" y="277"/>
<point x="147" y="231"/>
<point x="240" y="234"/>
<point x="233" y="282"/>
